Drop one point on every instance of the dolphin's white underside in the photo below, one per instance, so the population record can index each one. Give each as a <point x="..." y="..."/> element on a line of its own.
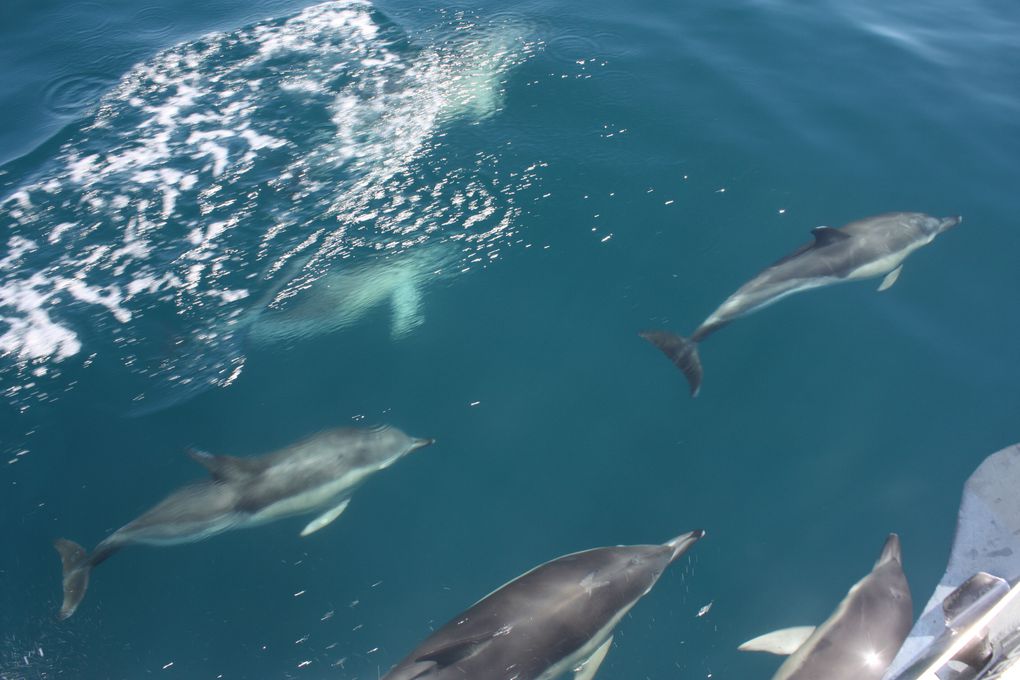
<point x="585" y="661"/>
<point x="886" y="264"/>
<point x="586" y="652"/>
<point x="191" y="532"/>
<point x="325" y="498"/>
<point x="738" y="304"/>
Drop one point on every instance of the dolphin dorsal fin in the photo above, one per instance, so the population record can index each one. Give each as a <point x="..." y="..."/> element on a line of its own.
<point x="782" y="642"/>
<point x="452" y="652"/>
<point x="226" y="468"/>
<point x="825" y="236"/>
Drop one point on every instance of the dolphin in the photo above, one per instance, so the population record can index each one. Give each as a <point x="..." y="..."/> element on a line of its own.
<point x="347" y="295"/>
<point x="863" y="249"/>
<point x="317" y="474"/>
<point x="859" y="640"/>
<point x="557" y="618"/>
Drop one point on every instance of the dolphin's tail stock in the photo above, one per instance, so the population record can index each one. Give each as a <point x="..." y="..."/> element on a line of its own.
<point x="77" y="566"/>
<point x="681" y="351"/>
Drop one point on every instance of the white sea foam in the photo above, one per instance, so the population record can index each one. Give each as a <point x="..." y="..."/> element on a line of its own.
<point x="31" y="332"/>
<point x="182" y="190"/>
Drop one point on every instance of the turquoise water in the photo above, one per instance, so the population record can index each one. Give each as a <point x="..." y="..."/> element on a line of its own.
<point x="459" y="218"/>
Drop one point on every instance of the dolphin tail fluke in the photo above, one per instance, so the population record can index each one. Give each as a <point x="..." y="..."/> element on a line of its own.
<point x="77" y="566"/>
<point x="683" y="352"/>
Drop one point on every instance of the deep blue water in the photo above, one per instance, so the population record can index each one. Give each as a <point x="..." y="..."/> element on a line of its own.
<point x="463" y="216"/>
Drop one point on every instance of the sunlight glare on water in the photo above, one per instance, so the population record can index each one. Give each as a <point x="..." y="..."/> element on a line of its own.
<point x="228" y="226"/>
<point x="151" y="207"/>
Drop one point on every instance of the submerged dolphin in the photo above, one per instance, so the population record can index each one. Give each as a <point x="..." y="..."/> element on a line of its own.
<point x="347" y="295"/>
<point x="859" y="640"/>
<point x="860" y="250"/>
<point x="318" y="474"/>
<point x="557" y="618"/>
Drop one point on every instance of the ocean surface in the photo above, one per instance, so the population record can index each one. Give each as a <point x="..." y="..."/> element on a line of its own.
<point x="227" y="225"/>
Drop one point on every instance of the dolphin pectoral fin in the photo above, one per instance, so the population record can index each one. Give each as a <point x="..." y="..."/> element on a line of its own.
<point x="325" y="518"/>
<point x="782" y="642"/>
<point x="890" y="278"/>
<point x="76" y="568"/>
<point x="683" y="352"/>
<point x="586" y="669"/>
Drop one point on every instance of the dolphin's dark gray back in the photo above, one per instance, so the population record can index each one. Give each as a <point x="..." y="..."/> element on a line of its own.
<point x="307" y="464"/>
<point x="191" y="505"/>
<point x="860" y="639"/>
<point x="540" y="618"/>
<point x="835" y="253"/>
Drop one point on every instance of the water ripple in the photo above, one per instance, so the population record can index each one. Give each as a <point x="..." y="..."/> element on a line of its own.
<point x="71" y="94"/>
<point x="83" y="19"/>
<point x="572" y="47"/>
<point x="154" y="21"/>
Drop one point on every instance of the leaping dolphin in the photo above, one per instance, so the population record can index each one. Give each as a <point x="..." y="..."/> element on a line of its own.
<point x="863" y="249"/>
<point x="859" y="640"/>
<point x="318" y="474"/>
<point x="555" y="619"/>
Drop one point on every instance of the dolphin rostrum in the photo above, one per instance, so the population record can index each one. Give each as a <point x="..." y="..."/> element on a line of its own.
<point x="557" y="618"/>
<point x="859" y="640"/>
<point x="860" y="250"/>
<point x="317" y="474"/>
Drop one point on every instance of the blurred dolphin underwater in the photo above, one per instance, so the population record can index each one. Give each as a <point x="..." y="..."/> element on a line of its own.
<point x="345" y="295"/>
<point x="174" y="215"/>
<point x="291" y="311"/>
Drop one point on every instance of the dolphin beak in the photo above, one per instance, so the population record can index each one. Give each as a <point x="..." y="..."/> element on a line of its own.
<point x="683" y="542"/>
<point x="891" y="551"/>
<point x="421" y="443"/>
<point x="950" y="222"/>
